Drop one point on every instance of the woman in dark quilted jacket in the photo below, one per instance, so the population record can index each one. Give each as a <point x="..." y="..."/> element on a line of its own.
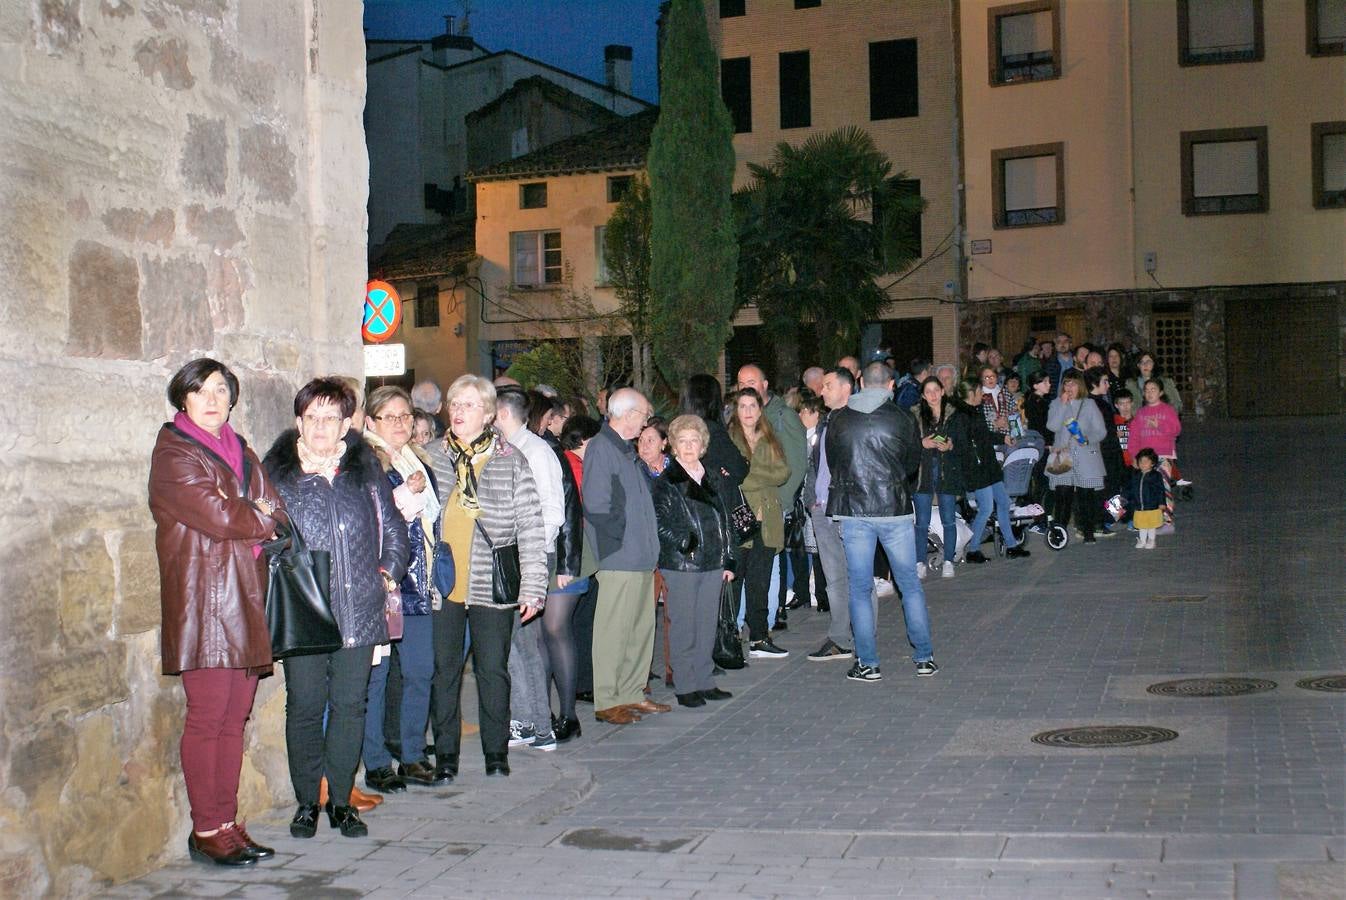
<point x="340" y="501"/>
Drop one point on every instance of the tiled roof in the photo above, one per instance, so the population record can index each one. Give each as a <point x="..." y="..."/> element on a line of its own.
<point x="622" y="145"/>
<point x="421" y="251"/>
<point x="554" y="92"/>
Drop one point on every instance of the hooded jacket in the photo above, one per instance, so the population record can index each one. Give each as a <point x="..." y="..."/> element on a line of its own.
<point x="872" y="453"/>
<point x="341" y="518"/>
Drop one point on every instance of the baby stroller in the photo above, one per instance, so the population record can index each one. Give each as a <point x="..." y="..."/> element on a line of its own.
<point x="934" y="539"/>
<point x="1026" y="510"/>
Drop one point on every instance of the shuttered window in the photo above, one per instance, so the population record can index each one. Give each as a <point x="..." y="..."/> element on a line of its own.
<point x="1027" y="186"/>
<point x="1224" y="171"/>
<point x="1219" y="31"/>
<point x="1329" y="165"/>
<point x="1024" y="42"/>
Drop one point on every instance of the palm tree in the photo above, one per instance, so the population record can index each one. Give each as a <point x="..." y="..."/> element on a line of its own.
<point x="817" y="225"/>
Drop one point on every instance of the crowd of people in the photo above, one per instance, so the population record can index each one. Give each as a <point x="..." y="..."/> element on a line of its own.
<point x="512" y="528"/>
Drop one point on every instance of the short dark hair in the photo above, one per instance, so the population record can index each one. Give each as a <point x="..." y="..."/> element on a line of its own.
<point x="843" y="374"/>
<point x="1148" y="453"/>
<point x="191" y="377"/>
<point x="1094" y="377"/>
<point x="876" y="374"/>
<point x="659" y="424"/>
<point x="577" y="430"/>
<point x="325" y="389"/>
<point x="540" y="406"/>
<point x="515" y="399"/>
<point x="1123" y="394"/>
<point x="917" y="366"/>
<point x="811" y="401"/>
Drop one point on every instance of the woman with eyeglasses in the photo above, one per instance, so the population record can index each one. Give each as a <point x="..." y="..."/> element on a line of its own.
<point x="390" y="418"/>
<point x="340" y="501"/>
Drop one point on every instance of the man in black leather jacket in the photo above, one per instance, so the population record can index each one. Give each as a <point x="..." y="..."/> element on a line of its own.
<point x="873" y="450"/>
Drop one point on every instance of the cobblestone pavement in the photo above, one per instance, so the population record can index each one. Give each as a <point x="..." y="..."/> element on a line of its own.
<point x="806" y="784"/>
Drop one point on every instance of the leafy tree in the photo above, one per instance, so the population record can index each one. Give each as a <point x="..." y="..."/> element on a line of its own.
<point x="817" y="225"/>
<point x="548" y="363"/>
<point x="627" y="254"/>
<point x="692" y="231"/>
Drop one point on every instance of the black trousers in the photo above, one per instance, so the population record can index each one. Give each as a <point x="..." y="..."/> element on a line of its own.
<point x="583" y="625"/>
<point x="491" y="632"/>
<point x="1085" y="503"/>
<point x="819" y="585"/>
<point x="335" y="683"/>
<point x="755" y="570"/>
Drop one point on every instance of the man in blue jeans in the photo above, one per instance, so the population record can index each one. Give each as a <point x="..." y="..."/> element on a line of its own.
<point x="873" y="449"/>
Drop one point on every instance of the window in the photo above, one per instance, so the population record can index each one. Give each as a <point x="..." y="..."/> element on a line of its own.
<point x="796" y="108"/>
<point x="1326" y="27"/>
<point x="1224" y="171"/>
<point x="731" y="8"/>
<point x="1219" y="31"/>
<point x="427" y="305"/>
<point x="601" y="277"/>
<point x="736" y="89"/>
<point x="618" y="185"/>
<point x="1028" y="186"/>
<point x="900" y="238"/>
<point x="892" y="80"/>
<point x="807" y="4"/>
<point x="537" y="257"/>
<point x="1024" y="42"/>
<point x="1329" y="165"/>
<point x="533" y="196"/>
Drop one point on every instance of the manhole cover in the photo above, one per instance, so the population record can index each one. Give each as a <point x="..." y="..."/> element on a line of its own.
<point x="1179" y="598"/>
<point x="1211" y="687"/>
<point x="1329" y="683"/>
<point x="1105" y="736"/>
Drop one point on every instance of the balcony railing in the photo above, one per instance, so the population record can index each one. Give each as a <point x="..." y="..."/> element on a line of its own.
<point x="1221" y="53"/>
<point x="1035" y="66"/>
<point x="1228" y="203"/>
<point x="1046" y="215"/>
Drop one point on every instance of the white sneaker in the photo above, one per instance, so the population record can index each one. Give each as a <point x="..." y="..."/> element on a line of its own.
<point x="1140" y="544"/>
<point x="947" y="570"/>
<point x="883" y="587"/>
<point x="921" y="571"/>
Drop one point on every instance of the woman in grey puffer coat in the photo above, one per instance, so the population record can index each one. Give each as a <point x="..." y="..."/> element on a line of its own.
<point x="490" y="500"/>
<point x="1079" y="429"/>
<point x="340" y="501"/>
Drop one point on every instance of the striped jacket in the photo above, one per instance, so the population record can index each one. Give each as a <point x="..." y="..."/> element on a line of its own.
<point x="511" y="512"/>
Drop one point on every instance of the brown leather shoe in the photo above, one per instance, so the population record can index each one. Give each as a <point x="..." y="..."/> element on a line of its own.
<point x="364" y="802"/>
<point x="648" y="706"/>
<point x="617" y="715"/>
<point x="223" y="848"/>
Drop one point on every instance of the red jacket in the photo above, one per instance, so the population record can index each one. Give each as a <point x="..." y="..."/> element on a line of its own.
<point x="212" y="586"/>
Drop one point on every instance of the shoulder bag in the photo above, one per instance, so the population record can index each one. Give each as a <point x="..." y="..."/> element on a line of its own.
<point x="728" y="650"/>
<point x="392" y="598"/>
<point x="744" y="520"/>
<point x="505" y="575"/>
<point x="298" y="602"/>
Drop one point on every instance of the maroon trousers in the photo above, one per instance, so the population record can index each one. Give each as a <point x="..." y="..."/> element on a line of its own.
<point x="219" y="702"/>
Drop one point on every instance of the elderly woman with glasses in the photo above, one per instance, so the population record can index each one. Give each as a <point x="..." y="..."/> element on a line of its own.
<point x="390" y="417"/>
<point x="491" y="501"/>
<point x="340" y="501"/>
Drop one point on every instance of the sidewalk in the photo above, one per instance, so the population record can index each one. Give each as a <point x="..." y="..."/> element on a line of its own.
<point x="807" y="784"/>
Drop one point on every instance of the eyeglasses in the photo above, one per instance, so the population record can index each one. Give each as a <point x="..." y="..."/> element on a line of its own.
<point x="464" y="405"/>
<point x="395" y="420"/>
<point x="322" y="421"/>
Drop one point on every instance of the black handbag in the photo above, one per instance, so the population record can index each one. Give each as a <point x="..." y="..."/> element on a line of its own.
<point x="298" y="602"/>
<point x="728" y="650"/>
<point x="505" y="575"/>
<point x="796" y="522"/>
<point x="744" y="520"/>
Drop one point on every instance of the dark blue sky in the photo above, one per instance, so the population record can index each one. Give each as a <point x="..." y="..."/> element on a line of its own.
<point x="570" y="34"/>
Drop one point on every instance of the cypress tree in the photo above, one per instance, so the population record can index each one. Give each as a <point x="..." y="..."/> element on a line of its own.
<point x="693" y="239"/>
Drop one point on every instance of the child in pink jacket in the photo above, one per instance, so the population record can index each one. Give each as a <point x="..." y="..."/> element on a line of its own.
<point x="1155" y="425"/>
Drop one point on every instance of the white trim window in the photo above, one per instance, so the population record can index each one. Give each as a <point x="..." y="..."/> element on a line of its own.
<point x="536" y="258"/>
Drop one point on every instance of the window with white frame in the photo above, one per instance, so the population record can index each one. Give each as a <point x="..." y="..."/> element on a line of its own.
<point x="536" y="258"/>
<point x="1028" y="185"/>
<point x="1224" y="171"/>
<point x="1329" y="165"/>
<point x="1219" y="31"/>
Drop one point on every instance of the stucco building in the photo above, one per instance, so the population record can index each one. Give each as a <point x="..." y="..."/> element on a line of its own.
<point x="1169" y="175"/>
<point x="793" y="68"/>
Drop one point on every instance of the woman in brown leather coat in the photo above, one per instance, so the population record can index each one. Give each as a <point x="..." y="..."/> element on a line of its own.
<point x="212" y="505"/>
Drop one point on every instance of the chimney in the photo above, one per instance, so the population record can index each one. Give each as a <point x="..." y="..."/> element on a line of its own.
<point x="617" y="65"/>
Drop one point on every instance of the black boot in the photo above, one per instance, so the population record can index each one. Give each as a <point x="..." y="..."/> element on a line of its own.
<point x="497" y="765"/>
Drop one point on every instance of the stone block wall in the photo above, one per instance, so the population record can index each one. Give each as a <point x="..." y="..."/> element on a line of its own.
<point x="179" y="178"/>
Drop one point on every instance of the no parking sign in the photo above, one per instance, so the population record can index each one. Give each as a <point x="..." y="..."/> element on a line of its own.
<point x="383" y="312"/>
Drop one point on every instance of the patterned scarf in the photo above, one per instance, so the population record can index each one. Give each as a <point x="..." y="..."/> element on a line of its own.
<point x="407" y="463"/>
<point x="314" y="464"/>
<point x="465" y="459"/>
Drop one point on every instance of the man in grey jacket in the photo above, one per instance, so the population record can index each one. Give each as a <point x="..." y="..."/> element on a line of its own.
<point x="619" y="524"/>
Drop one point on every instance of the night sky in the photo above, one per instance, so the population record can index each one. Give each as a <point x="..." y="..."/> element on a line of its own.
<point x="570" y="34"/>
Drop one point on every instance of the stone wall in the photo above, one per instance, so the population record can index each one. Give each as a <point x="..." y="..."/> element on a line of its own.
<point x="179" y="177"/>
